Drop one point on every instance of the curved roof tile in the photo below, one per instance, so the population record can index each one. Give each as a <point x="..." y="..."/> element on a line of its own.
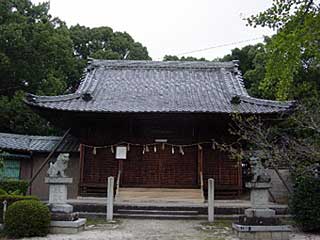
<point x="19" y="142"/>
<point x="150" y="86"/>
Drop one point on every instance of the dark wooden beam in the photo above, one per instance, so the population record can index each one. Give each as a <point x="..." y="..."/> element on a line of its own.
<point x="49" y="157"/>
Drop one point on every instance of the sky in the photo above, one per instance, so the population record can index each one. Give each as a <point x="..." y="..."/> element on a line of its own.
<point x="171" y="27"/>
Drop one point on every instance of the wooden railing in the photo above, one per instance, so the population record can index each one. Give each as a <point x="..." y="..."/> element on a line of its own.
<point x="202" y="186"/>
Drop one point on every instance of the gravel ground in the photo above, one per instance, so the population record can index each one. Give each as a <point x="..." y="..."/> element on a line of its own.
<point x="159" y="230"/>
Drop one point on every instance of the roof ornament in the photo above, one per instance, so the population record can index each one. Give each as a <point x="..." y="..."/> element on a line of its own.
<point x="89" y="60"/>
<point x="236" y="62"/>
<point x="235" y="100"/>
<point x="31" y="98"/>
<point x="90" y="64"/>
<point x="86" y="96"/>
<point x="126" y="55"/>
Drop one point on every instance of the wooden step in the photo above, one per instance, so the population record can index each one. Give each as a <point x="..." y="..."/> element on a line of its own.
<point x="175" y="190"/>
<point x="159" y="195"/>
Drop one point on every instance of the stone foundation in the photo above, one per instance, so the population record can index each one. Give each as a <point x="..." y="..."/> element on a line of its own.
<point x="260" y="222"/>
<point x="63" y="219"/>
<point x="67" y="227"/>
<point x="247" y="232"/>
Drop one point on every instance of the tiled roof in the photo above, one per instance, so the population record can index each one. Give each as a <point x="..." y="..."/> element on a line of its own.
<point x="169" y="87"/>
<point x="36" y="143"/>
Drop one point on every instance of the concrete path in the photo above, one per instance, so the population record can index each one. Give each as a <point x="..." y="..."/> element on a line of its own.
<point x="159" y="230"/>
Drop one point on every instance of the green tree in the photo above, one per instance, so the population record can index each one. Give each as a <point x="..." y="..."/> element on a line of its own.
<point x="293" y="57"/>
<point x="103" y="43"/>
<point x="36" y="56"/>
<point x="17" y="118"/>
<point x="41" y="55"/>
<point x="183" y="58"/>
<point x="34" y="47"/>
<point x="252" y="65"/>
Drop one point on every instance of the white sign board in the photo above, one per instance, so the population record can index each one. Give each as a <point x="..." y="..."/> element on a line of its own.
<point x="121" y="152"/>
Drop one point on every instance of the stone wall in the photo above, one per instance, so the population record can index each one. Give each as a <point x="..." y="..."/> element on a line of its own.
<point x="278" y="190"/>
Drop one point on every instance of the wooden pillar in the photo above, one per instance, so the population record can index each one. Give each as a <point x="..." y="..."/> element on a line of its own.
<point x="82" y="153"/>
<point x="239" y="177"/>
<point x="120" y="169"/>
<point x="200" y="165"/>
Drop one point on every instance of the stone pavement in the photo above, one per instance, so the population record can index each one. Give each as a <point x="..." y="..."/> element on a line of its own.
<point x="159" y="230"/>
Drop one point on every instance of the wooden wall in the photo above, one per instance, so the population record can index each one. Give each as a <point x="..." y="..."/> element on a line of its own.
<point x="161" y="169"/>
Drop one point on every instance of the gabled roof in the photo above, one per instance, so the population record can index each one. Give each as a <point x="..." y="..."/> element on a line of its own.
<point x="36" y="143"/>
<point x="167" y="87"/>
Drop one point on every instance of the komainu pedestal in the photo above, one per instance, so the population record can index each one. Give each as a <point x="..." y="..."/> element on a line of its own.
<point x="259" y="221"/>
<point x="58" y="192"/>
<point x="63" y="219"/>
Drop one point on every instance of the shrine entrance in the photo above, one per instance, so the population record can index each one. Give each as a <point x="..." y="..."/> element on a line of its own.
<point x="160" y="169"/>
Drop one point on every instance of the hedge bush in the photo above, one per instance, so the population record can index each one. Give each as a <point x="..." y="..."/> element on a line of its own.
<point x="11" y="185"/>
<point x="2" y="192"/>
<point x="11" y="199"/>
<point x="305" y="203"/>
<point x="27" y="218"/>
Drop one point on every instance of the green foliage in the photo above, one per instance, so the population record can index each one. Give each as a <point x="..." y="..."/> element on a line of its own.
<point x="3" y="192"/>
<point x="35" y="46"/>
<point x="176" y="58"/>
<point x="11" y="186"/>
<point x="41" y="55"/>
<point x="292" y="55"/>
<point x="103" y="43"/>
<point x="28" y="218"/>
<point x="11" y="199"/>
<point x="18" y="118"/>
<point x="252" y="65"/>
<point x="16" y="192"/>
<point x="2" y="153"/>
<point x="37" y="56"/>
<point x="304" y="203"/>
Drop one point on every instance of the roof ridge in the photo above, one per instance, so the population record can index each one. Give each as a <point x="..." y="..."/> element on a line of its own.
<point x="160" y="64"/>
<point x="266" y="102"/>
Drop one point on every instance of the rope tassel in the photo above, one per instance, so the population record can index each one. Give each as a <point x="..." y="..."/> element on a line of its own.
<point x="163" y="146"/>
<point x="112" y="149"/>
<point x="181" y="150"/>
<point x="172" y="150"/>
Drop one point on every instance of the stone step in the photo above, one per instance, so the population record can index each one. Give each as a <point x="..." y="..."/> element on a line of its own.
<point x="160" y="216"/>
<point x="201" y="209"/>
<point x="143" y="216"/>
<point x="155" y="212"/>
<point x="100" y="215"/>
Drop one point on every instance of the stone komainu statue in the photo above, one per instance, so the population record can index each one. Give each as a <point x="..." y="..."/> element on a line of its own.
<point x="57" y="168"/>
<point x="259" y="173"/>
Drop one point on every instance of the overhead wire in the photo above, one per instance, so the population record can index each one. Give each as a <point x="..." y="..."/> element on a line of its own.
<point x="217" y="46"/>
